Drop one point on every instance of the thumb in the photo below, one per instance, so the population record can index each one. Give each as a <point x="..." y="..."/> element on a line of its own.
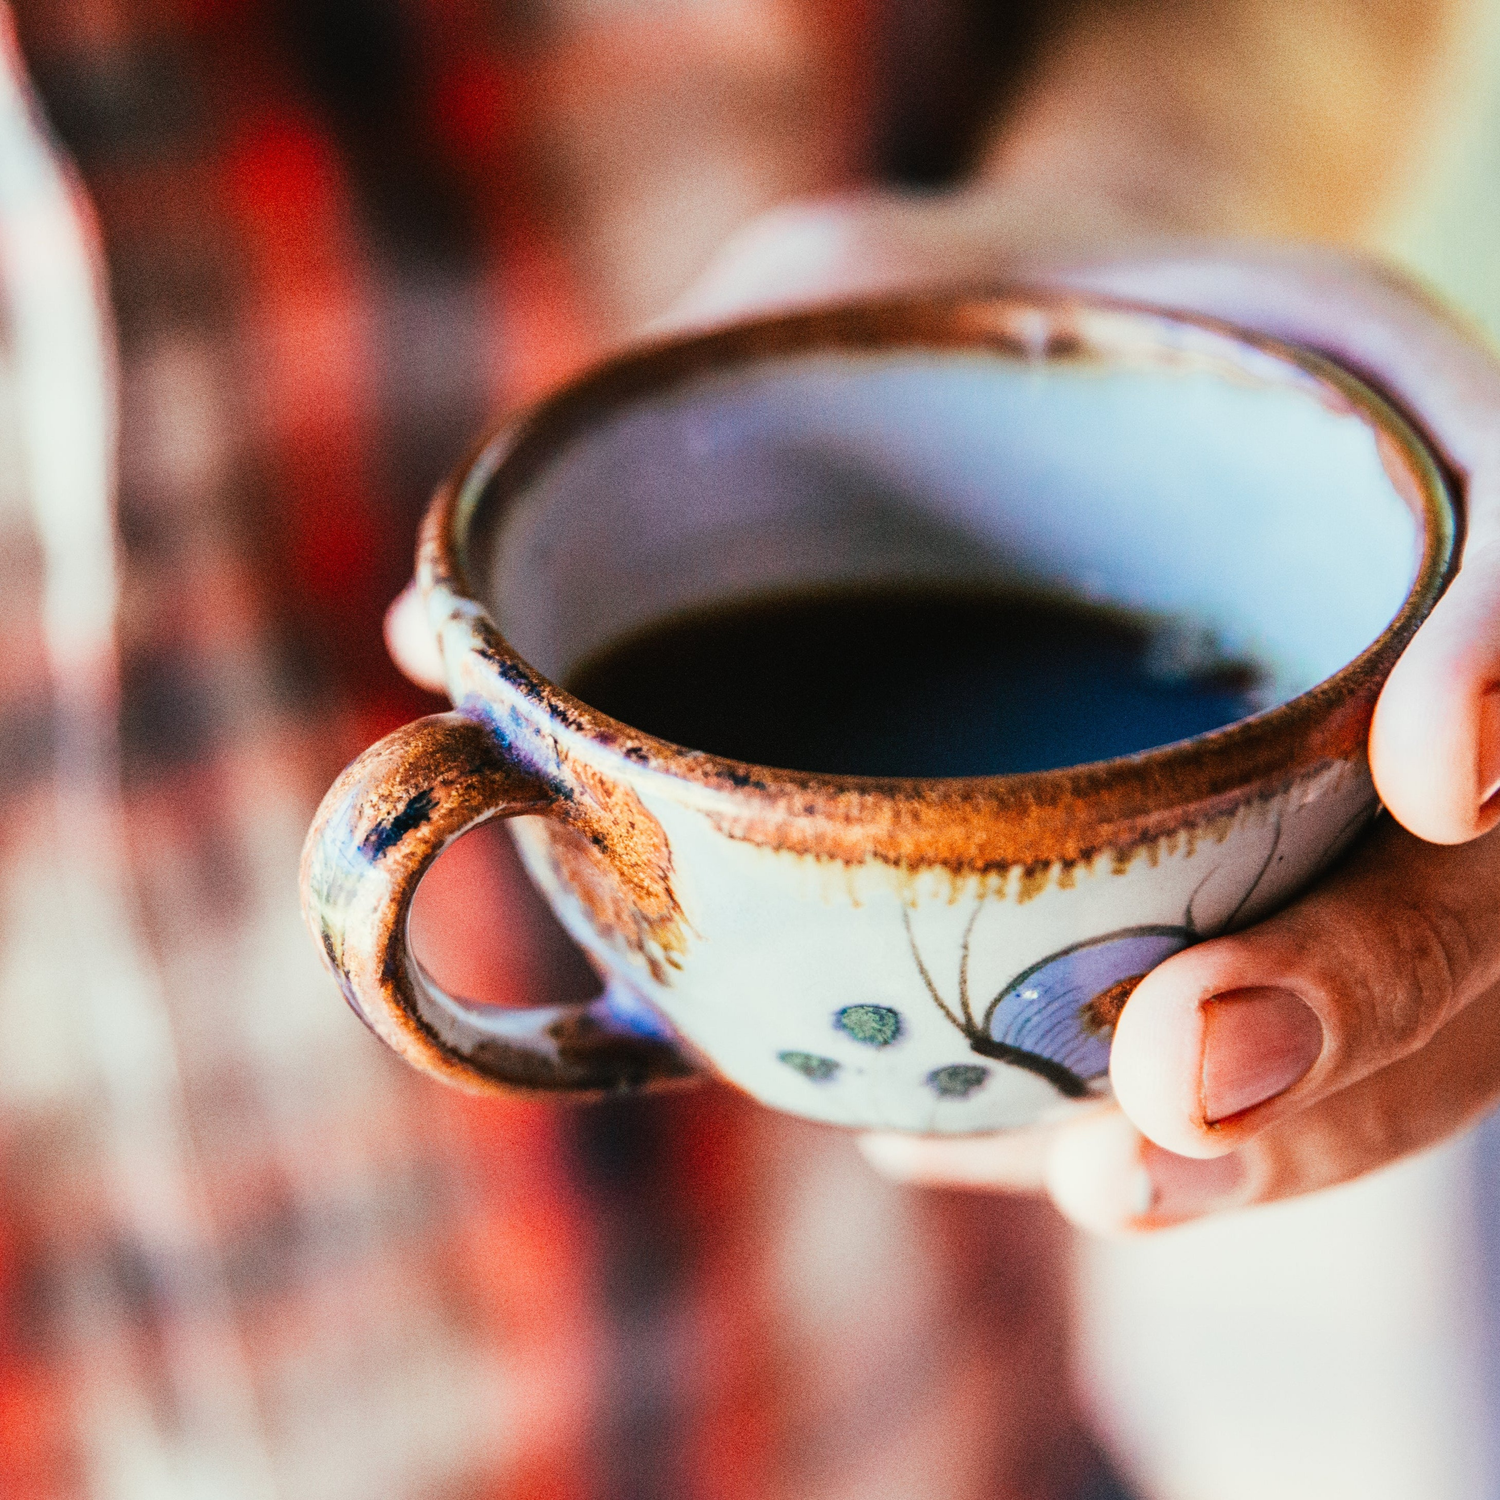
<point x="1238" y="1033"/>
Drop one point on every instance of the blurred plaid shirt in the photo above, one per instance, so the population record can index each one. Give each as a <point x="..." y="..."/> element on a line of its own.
<point x="268" y="1260"/>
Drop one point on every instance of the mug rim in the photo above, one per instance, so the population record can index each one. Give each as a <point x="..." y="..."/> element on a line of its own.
<point x="1062" y="815"/>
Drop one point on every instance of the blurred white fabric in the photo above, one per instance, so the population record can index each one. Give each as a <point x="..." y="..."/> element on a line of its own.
<point x="1345" y="1345"/>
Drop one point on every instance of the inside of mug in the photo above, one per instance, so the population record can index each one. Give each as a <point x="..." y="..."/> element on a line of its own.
<point x="1220" y="488"/>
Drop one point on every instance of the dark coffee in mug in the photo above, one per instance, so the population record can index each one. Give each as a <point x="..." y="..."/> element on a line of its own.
<point x="917" y="680"/>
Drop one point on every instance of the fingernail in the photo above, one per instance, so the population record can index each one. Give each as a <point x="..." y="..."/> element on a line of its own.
<point x="1489" y="745"/>
<point x="1256" y="1045"/>
<point x="1184" y="1187"/>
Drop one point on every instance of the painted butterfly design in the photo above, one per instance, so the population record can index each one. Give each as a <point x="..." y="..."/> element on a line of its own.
<point x="1057" y="1018"/>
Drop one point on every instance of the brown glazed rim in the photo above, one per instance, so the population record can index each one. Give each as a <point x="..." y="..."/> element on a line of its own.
<point x="1030" y="818"/>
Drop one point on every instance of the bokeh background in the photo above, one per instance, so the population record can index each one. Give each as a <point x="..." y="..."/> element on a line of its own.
<point x="243" y="1251"/>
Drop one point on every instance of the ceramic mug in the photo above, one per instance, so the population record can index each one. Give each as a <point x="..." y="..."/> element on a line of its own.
<point x="923" y="955"/>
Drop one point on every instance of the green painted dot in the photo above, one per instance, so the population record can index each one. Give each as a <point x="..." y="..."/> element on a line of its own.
<point x="956" y="1082"/>
<point x="810" y="1065"/>
<point x="874" y="1025"/>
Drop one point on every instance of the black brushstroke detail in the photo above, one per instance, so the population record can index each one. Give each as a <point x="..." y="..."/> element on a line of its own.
<point x="932" y="989"/>
<point x="963" y="970"/>
<point x="390" y="831"/>
<point x="391" y="969"/>
<point x="1062" y="1078"/>
<point x="591" y="1058"/>
<point x="1265" y="867"/>
<point x="1191" y="922"/>
<point x="1146" y="929"/>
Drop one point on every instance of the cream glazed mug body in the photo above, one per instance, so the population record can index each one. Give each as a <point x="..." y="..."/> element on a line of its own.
<point x="925" y="955"/>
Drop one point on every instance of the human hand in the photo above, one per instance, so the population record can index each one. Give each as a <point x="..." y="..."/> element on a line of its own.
<point x="1355" y="1026"/>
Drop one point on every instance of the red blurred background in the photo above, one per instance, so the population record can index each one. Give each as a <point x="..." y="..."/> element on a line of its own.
<point x="256" y="1256"/>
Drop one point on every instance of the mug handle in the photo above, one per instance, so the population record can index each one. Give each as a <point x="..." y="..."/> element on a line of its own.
<point x="382" y="824"/>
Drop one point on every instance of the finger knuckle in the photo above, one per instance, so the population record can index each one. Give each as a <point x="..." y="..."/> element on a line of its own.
<point x="1416" y="984"/>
